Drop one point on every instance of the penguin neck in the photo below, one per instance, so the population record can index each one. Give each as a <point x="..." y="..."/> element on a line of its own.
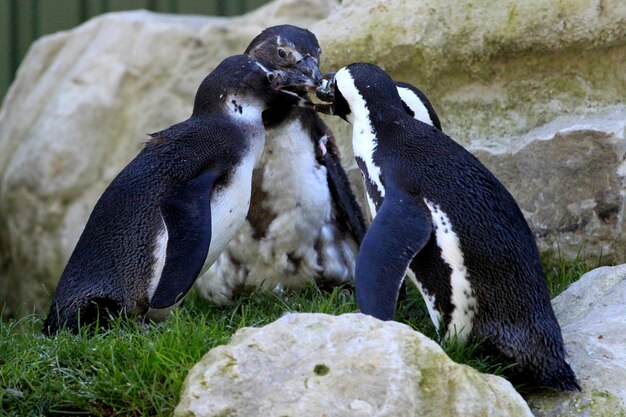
<point x="244" y="109"/>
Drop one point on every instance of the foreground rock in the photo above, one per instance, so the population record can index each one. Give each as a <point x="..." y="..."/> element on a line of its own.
<point x="534" y="89"/>
<point x="345" y="366"/>
<point x="592" y="313"/>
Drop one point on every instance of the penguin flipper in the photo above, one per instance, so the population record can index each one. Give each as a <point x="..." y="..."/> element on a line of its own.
<point x="186" y="211"/>
<point x="401" y="228"/>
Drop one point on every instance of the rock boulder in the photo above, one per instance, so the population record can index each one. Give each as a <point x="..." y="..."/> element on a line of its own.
<point x="592" y="314"/>
<point x="344" y="366"/>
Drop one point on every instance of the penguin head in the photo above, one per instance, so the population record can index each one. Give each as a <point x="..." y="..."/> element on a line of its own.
<point x="353" y="87"/>
<point x="288" y="48"/>
<point x="239" y="82"/>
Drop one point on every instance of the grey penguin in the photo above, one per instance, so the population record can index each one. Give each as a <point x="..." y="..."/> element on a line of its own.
<point x="174" y="207"/>
<point x="304" y="224"/>
<point x="444" y="219"/>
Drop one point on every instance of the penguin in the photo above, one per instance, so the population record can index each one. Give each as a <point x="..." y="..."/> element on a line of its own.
<point x="173" y="209"/>
<point x="304" y="224"/>
<point x="414" y="102"/>
<point x="444" y="219"/>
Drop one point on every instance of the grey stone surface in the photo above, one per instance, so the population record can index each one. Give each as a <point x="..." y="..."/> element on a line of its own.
<point x="592" y="313"/>
<point x="535" y="89"/>
<point x="344" y="366"/>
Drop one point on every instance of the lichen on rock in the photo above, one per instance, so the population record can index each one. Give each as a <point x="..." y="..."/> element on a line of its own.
<point x="349" y="365"/>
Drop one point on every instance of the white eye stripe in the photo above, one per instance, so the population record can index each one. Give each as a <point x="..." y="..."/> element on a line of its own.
<point x="413" y="102"/>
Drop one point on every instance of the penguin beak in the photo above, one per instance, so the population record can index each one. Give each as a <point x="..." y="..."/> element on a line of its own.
<point x="325" y="90"/>
<point x="327" y="108"/>
<point x="302" y="77"/>
<point x="296" y="84"/>
<point x="308" y="66"/>
<point x="290" y="83"/>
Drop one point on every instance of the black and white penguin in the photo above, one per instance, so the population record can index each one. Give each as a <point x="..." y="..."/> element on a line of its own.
<point x="304" y="224"/>
<point x="446" y="221"/>
<point x="174" y="207"/>
<point x="414" y="102"/>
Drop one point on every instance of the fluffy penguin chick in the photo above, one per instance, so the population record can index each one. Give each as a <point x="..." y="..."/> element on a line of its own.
<point x="446" y="221"/>
<point x="304" y="223"/>
<point x="174" y="207"/>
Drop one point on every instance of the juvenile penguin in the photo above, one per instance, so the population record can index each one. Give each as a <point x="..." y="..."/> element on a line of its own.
<point x="174" y="207"/>
<point x="444" y="219"/>
<point x="304" y="224"/>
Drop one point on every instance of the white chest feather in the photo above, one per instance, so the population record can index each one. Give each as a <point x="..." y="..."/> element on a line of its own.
<point x="364" y="141"/>
<point x="463" y="298"/>
<point x="429" y="299"/>
<point x="229" y="207"/>
<point x="160" y="249"/>
<point x="292" y="179"/>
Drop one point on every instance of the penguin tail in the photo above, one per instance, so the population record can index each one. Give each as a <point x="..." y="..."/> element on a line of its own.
<point x="538" y="354"/>
<point x="562" y="379"/>
<point x="544" y="364"/>
<point x="96" y="312"/>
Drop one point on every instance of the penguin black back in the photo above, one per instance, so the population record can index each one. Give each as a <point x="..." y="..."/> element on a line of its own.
<point x="444" y="219"/>
<point x="163" y="216"/>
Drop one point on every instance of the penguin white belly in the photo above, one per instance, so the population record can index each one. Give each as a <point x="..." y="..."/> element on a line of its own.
<point x="160" y="250"/>
<point x="297" y="192"/>
<point x="301" y="243"/>
<point x="429" y="299"/>
<point x="463" y="298"/>
<point x="229" y="207"/>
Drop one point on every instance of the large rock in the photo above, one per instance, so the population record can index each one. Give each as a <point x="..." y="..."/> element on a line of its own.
<point x="345" y="366"/>
<point x="534" y="88"/>
<point x="592" y="313"/>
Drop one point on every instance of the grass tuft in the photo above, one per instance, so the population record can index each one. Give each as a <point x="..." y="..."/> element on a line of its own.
<point x="128" y="371"/>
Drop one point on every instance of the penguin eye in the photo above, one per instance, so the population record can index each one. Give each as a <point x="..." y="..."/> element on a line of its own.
<point x="282" y="53"/>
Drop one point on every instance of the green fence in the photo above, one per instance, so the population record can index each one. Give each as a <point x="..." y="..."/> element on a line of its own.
<point x="23" y="21"/>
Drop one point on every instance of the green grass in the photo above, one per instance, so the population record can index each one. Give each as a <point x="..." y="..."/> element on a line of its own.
<point x="130" y="372"/>
<point x="561" y="272"/>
